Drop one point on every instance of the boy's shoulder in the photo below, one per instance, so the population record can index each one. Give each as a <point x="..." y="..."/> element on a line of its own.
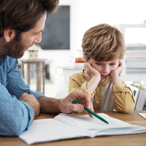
<point x="78" y="76"/>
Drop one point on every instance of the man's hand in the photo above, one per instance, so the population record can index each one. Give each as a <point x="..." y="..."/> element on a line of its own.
<point x="66" y="105"/>
<point x="32" y="101"/>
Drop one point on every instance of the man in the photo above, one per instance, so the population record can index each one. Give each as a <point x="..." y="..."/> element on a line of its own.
<point x="21" y="25"/>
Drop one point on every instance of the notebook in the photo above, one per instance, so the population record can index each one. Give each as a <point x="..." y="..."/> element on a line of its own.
<point x="143" y="115"/>
<point x="65" y="126"/>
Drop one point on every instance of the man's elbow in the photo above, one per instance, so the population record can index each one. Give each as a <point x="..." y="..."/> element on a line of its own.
<point x="17" y="131"/>
<point x="13" y="128"/>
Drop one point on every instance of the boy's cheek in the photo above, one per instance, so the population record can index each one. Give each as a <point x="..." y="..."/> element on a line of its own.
<point x="96" y="67"/>
<point x="114" y="68"/>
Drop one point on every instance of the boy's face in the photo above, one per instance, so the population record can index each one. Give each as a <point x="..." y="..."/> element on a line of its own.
<point x="105" y="67"/>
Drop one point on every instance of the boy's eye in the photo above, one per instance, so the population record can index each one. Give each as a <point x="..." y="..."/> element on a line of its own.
<point x="112" y="64"/>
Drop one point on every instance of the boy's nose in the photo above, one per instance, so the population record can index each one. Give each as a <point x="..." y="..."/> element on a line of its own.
<point x="106" y="70"/>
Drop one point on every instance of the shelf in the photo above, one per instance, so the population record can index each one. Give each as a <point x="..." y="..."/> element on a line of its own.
<point x="135" y="58"/>
<point x="134" y="77"/>
<point x="65" y="71"/>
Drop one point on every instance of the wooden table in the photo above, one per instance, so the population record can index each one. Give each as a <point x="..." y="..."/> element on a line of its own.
<point x="40" y="72"/>
<point x="123" y="140"/>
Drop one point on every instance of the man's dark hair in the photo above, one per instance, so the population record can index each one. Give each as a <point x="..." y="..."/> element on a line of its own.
<point x="22" y="15"/>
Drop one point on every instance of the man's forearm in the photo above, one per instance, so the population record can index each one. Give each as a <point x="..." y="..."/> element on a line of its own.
<point x="49" y="105"/>
<point x="65" y="105"/>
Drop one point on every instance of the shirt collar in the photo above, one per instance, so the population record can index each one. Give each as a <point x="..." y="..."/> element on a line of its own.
<point x="2" y="59"/>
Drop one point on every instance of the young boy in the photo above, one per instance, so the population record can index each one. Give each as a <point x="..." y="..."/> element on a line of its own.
<point x="103" y="48"/>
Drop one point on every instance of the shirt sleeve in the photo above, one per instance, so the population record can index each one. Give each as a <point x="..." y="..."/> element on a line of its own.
<point x="15" y="115"/>
<point x="76" y="83"/>
<point x="123" y="99"/>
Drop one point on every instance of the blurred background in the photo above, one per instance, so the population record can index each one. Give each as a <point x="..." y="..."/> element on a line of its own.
<point x="62" y="38"/>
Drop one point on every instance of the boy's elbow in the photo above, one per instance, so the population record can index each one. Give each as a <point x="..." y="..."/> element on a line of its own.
<point x="125" y="109"/>
<point x="128" y="109"/>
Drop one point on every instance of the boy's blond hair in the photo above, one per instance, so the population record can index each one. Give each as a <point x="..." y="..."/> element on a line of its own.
<point x="103" y="43"/>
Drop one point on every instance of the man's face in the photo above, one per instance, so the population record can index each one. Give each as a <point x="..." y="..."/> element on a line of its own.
<point x="16" y="48"/>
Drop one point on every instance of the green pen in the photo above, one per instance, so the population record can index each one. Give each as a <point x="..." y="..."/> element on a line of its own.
<point x="91" y="112"/>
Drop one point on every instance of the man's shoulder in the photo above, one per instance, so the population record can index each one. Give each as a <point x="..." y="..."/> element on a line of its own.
<point x="11" y="59"/>
<point x="5" y="60"/>
<point x="11" y="62"/>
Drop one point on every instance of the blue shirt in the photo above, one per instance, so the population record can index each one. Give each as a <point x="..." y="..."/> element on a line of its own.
<point x="15" y="115"/>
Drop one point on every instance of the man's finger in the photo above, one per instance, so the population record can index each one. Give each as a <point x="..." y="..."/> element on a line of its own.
<point x="77" y="107"/>
<point x="84" y="96"/>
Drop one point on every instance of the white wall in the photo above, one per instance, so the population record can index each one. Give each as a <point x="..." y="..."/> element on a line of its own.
<point x="93" y="12"/>
<point x="87" y="13"/>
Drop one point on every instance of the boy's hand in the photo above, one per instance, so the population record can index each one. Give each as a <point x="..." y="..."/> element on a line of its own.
<point x="90" y="72"/>
<point x="118" y="70"/>
<point x="115" y="76"/>
<point x="93" y="75"/>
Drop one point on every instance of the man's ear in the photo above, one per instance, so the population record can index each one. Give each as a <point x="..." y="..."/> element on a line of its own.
<point x="9" y="34"/>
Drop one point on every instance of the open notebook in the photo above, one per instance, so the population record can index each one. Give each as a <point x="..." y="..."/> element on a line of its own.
<point x="65" y="126"/>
